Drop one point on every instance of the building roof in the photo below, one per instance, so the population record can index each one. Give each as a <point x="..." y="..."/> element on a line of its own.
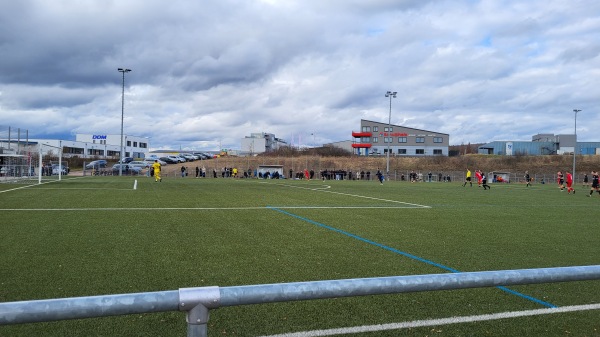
<point x="406" y="127"/>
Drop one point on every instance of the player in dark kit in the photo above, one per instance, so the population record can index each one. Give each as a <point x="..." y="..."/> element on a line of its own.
<point x="527" y="178"/>
<point x="484" y="181"/>
<point x="560" y="179"/>
<point x="595" y="186"/>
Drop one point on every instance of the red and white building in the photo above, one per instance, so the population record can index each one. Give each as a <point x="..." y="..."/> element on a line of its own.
<point x="374" y="138"/>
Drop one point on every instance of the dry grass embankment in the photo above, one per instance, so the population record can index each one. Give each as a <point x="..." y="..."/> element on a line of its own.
<point x="487" y="163"/>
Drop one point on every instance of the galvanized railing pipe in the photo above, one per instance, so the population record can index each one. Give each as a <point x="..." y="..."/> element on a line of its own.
<point x="197" y="302"/>
<point x="87" y="307"/>
<point x="269" y="293"/>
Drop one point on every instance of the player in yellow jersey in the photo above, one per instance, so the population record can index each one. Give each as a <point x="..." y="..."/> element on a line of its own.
<point x="156" y="168"/>
<point x="468" y="178"/>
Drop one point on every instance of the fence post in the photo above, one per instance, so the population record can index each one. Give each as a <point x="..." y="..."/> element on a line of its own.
<point x="197" y="302"/>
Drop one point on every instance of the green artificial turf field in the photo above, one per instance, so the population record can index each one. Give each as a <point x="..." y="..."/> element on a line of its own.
<point x="97" y="235"/>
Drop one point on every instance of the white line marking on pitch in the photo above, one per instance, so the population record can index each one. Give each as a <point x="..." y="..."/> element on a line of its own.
<point x="439" y="321"/>
<point x="198" y="208"/>
<point x="351" y="195"/>
<point x="22" y="187"/>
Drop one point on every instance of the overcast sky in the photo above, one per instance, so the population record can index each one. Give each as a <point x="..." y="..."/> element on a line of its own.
<point x="207" y="73"/>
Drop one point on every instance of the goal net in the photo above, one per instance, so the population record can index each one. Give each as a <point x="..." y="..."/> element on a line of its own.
<point x="31" y="164"/>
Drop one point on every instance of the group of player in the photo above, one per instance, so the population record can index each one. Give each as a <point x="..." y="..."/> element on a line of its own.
<point x="481" y="179"/>
<point x="560" y="179"/>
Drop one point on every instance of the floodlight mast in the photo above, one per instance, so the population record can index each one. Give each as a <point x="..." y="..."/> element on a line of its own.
<point x="123" y="71"/>
<point x="390" y="94"/>
<point x="575" y="147"/>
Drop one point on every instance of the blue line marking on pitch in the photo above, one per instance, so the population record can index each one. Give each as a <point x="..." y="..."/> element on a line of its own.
<point x="414" y="257"/>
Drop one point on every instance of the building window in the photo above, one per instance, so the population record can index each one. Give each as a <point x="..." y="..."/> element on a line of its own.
<point x="365" y="140"/>
<point x="437" y="151"/>
<point x="128" y="143"/>
<point x="401" y="151"/>
<point x="438" y="139"/>
<point x="375" y="128"/>
<point x="402" y="139"/>
<point x="390" y="129"/>
<point x="420" y="151"/>
<point x="366" y="129"/>
<point x="375" y="139"/>
<point x="420" y="139"/>
<point x="134" y="144"/>
<point x="387" y="139"/>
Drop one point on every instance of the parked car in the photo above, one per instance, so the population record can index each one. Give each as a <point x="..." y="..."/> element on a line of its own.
<point x="151" y="157"/>
<point x="125" y="160"/>
<point x="127" y="169"/>
<point x="188" y="156"/>
<point x="201" y="156"/>
<point x="64" y="170"/>
<point x="176" y="159"/>
<point x="151" y="161"/>
<point x="140" y="164"/>
<point x="96" y="164"/>
<point x="169" y="160"/>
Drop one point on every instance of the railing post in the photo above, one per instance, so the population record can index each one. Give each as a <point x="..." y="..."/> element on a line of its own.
<point x="197" y="302"/>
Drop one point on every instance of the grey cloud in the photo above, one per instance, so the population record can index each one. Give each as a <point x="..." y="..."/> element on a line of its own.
<point x="212" y="72"/>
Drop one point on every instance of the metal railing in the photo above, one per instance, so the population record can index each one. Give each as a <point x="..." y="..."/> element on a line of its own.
<point x="197" y="302"/>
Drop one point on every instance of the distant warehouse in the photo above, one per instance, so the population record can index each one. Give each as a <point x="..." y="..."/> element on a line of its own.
<point x="541" y="144"/>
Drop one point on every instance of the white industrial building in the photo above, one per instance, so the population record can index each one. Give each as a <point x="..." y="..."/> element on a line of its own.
<point x="260" y="143"/>
<point x="99" y="146"/>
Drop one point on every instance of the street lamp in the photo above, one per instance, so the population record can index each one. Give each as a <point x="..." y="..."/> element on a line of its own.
<point x="389" y="94"/>
<point x="575" y="147"/>
<point x="123" y="71"/>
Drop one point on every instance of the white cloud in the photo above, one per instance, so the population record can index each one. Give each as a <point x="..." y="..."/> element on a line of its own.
<point x="211" y="72"/>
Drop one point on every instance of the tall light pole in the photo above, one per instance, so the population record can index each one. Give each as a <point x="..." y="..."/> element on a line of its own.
<point x="123" y="71"/>
<point x="389" y="94"/>
<point x="575" y="147"/>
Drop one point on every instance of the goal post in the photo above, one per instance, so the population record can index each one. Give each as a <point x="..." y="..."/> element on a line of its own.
<point x="32" y="165"/>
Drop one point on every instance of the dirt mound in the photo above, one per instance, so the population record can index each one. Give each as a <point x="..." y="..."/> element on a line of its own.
<point x="486" y="163"/>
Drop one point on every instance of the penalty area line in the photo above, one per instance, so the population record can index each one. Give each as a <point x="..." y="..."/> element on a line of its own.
<point x="199" y="208"/>
<point x="439" y="321"/>
<point x="326" y="189"/>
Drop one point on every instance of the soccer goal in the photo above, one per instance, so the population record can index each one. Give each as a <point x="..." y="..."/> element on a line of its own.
<point x="31" y="164"/>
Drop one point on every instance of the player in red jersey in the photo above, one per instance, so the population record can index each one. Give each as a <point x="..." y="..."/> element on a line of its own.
<point x="570" y="183"/>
